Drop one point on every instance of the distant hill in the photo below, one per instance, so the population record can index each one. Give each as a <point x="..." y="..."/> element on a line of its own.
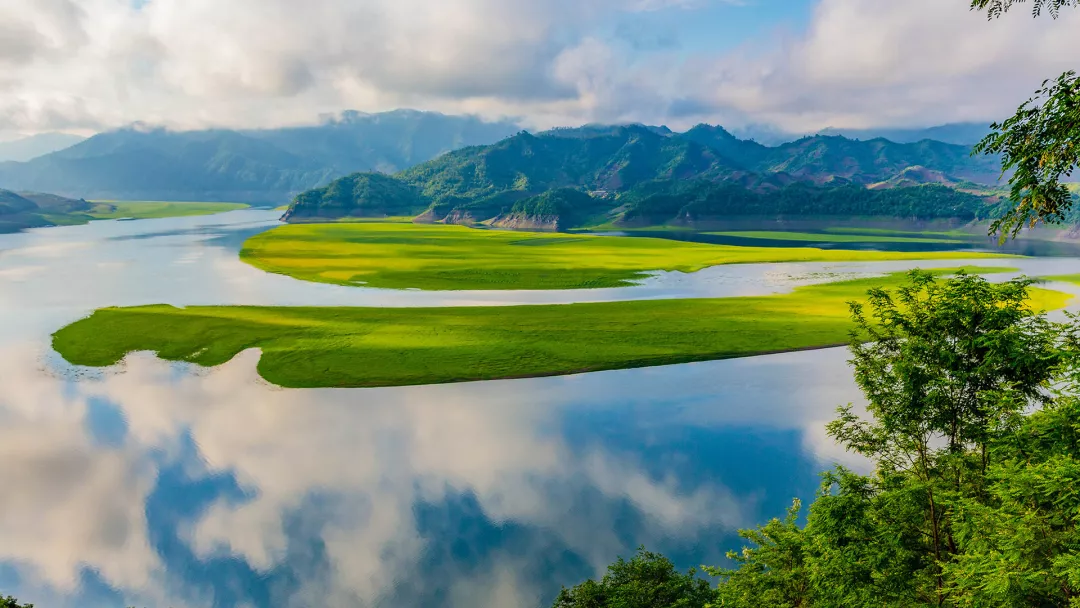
<point x="635" y="173"/>
<point x="359" y="195"/>
<point x="961" y="133"/>
<point x="958" y="133"/>
<point x="28" y="148"/>
<point x="246" y="166"/>
<point x="32" y="210"/>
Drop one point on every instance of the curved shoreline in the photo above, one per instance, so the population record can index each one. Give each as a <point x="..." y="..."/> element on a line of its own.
<point x="321" y="347"/>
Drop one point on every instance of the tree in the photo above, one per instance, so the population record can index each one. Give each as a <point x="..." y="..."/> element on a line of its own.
<point x="646" y="581"/>
<point x="10" y="602"/>
<point x="1041" y="143"/>
<point x="945" y="366"/>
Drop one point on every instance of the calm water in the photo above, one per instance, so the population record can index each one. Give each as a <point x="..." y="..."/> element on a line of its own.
<point x="158" y="484"/>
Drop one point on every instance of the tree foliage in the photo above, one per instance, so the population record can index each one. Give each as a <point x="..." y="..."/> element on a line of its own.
<point x="10" y="602"/>
<point x="1040" y="144"/>
<point x="700" y="200"/>
<point x="996" y="8"/>
<point x="648" y="580"/>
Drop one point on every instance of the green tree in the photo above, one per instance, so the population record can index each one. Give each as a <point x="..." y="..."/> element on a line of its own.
<point x="773" y="572"/>
<point x="1041" y="143"/>
<point x="1022" y="538"/>
<point x="646" y="581"/>
<point x="945" y="366"/>
<point x="10" y="602"/>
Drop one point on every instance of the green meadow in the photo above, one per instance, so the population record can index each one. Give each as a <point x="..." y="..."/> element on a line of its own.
<point x="440" y="257"/>
<point x="959" y="234"/>
<point x="371" y="347"/>
<point x="142" y="210"/>
<point x="831" y="238"/>
<point x="1064" y="278"/>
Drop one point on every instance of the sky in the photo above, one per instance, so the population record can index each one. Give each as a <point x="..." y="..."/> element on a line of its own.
<point x="795" y="65"/>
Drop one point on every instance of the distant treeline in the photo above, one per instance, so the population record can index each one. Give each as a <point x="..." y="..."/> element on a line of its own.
<point x="660" y="202"/>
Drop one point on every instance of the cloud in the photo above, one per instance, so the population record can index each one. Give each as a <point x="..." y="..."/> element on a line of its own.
<point x="864" y="63"/>
<point x="194" y="63"/>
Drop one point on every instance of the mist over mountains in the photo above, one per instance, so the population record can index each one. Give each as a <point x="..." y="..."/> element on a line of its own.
<point x="270" y="165"/>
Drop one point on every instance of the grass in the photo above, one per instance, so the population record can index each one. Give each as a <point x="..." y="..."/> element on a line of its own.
<point x="951" y="234"/>
<point x="438" y="257"/>
<point x="1064" y="278"/>
<point x="371" y="347"/>
<point x="390" y="219"/>
<point x="832" y="238"/>
<point x="141" y="210"/>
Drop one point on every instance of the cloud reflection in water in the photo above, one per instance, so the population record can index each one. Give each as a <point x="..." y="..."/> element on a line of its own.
<point x="196" y="487"/>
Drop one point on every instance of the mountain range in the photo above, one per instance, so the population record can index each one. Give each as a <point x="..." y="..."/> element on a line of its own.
<point x="959" y="133"/>
<point x="269" y="165"/>
<point x="641" y="174"/>
<point x="28" y="148"/>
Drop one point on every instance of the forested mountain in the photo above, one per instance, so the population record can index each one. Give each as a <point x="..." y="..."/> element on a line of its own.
<point x="702" y="201"/>
<point x="360" y="194"/>
<point x="639" y="174"/>
<point x="246" y="166"/>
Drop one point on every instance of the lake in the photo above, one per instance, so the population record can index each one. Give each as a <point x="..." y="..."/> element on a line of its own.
<point x="158" y="484"/>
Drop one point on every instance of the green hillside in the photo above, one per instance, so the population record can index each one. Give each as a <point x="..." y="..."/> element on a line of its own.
<point x="636" y="175"/>
<point x="359" y="195"/>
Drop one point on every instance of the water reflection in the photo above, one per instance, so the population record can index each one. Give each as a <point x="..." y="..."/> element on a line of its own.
<point x="163" y="485"/>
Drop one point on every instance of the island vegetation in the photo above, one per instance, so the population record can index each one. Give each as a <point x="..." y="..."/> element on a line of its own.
<point x="367" y="347"/>
<point x="434" y="257"/>
<point x="144" y="210"/>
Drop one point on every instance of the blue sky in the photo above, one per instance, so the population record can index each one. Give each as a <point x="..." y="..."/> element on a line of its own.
<point x="718" y="27"/>
<point x="797" y="65"/>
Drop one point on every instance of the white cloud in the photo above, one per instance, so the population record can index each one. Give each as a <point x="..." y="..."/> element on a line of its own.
<point x="864" y="63"/>
<point x="188" y="63"/>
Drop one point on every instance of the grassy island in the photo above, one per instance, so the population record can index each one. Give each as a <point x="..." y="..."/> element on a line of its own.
<point x="440" y="257"/>
<point x="370" y="347"/>
<point x="144" y="210"/>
